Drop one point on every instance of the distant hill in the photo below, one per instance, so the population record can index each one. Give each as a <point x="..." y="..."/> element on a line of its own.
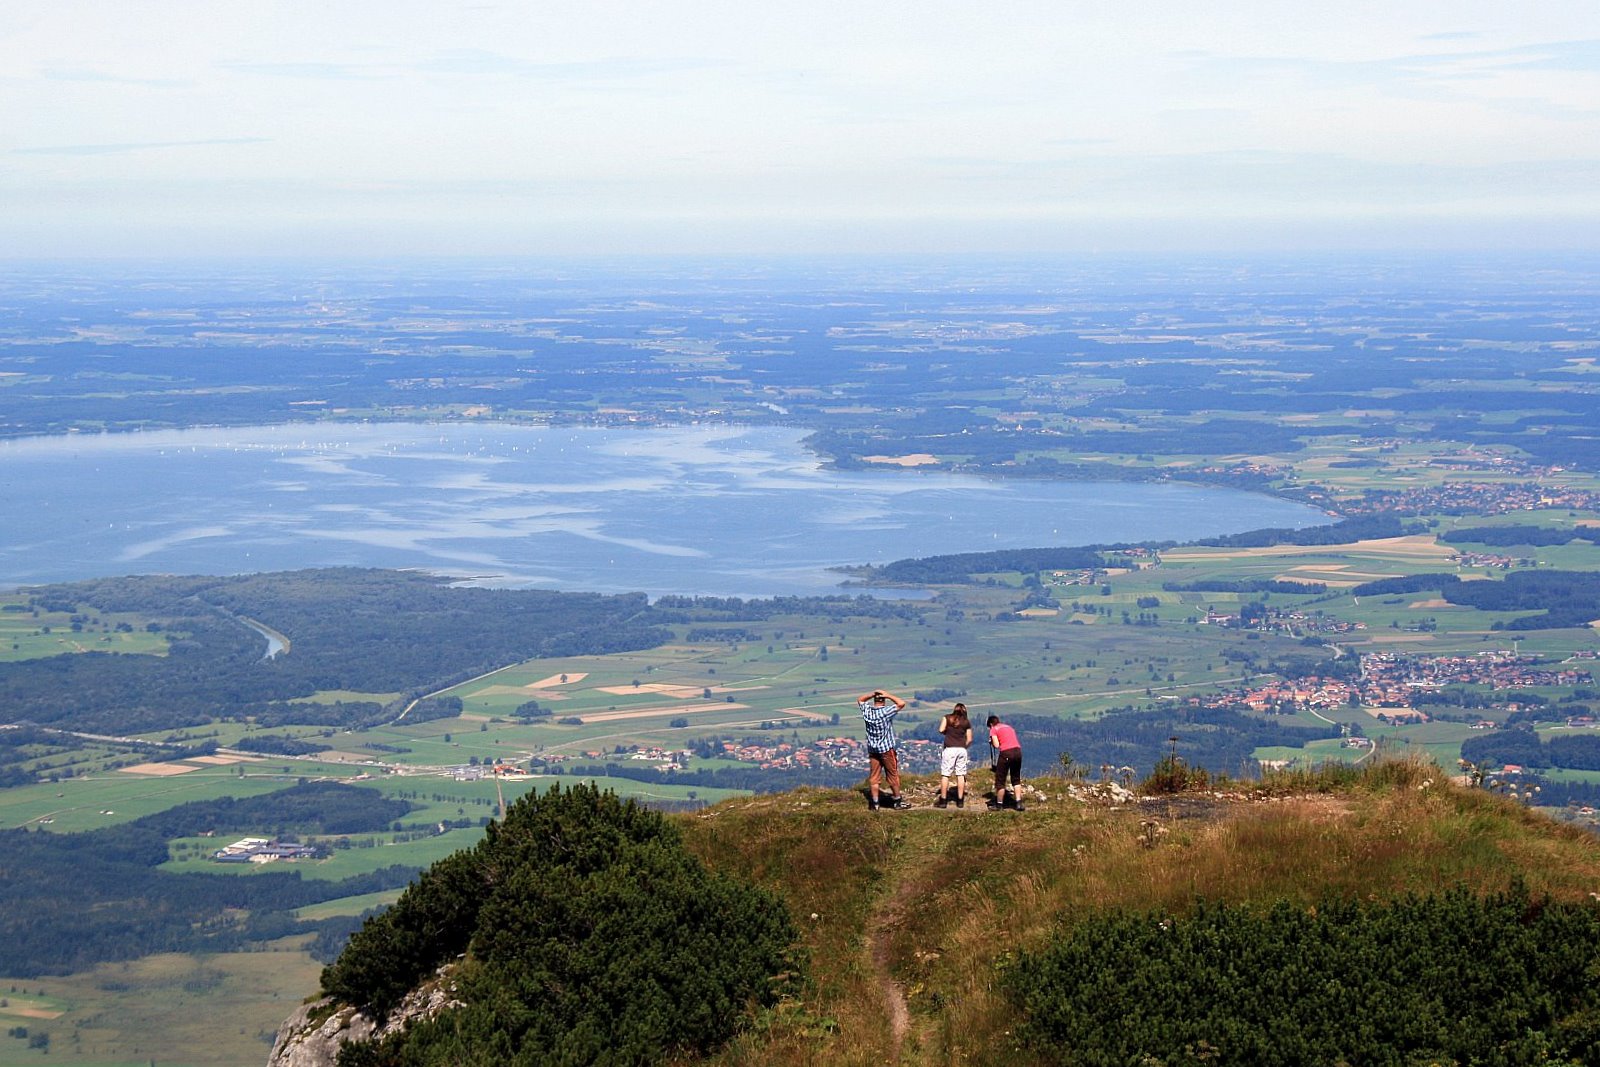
<point x="1377" y="915"/>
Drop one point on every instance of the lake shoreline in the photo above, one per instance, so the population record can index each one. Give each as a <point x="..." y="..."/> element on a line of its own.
<point x="721" y="509"/>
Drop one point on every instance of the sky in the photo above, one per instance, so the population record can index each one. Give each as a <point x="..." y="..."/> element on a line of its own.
<point x="387" y="127"/>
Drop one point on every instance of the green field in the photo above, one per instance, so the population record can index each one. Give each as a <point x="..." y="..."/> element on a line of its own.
<point x="185" y="1011"/>
<point x="27" y="633"/>
<point x="89" y="803"/>
<point x="349" y="905"/>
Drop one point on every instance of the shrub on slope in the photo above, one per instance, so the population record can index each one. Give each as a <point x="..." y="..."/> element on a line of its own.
<point x="590" y="935"/>
<point x="1448" y="978"/>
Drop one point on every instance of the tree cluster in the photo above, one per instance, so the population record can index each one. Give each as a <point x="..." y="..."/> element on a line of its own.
<point x="590" y="934"/>
<point x="1345" y="531"/>
<point x="958" y="568"/>
<point x="710" y="609"/>
<point x="1520" y="534"/>
<point x="1521" y="747"/>
<point x="1244" y="585"/>
<point x="279" y="745"/>
<point x="1562" y="598"/>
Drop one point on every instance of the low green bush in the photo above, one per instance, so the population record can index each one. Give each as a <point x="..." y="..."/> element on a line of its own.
<point x="1449" y="978"/>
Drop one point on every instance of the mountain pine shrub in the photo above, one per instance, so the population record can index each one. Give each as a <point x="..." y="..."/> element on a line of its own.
<point x="1451" y="978"/>
<point x="590" y="936"/>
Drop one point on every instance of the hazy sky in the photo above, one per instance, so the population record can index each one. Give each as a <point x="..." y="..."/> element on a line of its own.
<point x="224" y="127"/>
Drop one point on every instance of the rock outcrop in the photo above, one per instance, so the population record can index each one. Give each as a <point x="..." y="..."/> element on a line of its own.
<point x="312" y="1036"/>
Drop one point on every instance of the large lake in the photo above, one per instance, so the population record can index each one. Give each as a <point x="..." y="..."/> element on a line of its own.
<point x="717" y="510"/>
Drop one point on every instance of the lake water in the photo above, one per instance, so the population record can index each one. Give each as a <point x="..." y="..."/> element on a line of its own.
<point x="717" y="510"/>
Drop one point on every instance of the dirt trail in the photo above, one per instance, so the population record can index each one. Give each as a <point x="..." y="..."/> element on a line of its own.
<point x="882" y="928"/>
<point x="892" y="913"/>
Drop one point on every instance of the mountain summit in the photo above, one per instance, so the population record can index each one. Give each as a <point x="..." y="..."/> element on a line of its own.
<point x="1385" y="914"/>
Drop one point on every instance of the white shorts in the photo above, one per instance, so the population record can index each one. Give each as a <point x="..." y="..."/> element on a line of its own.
<point x="953" y="763"/>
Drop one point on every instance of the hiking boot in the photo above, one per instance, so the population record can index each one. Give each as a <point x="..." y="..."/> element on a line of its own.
<point x="898" y="804"/>
<point x="961" y="802"/>
<point x="941" y="803"/>
<point x="1019" y="807"/>
<point x="995" y="805"/>
<point x="872" y="805"/>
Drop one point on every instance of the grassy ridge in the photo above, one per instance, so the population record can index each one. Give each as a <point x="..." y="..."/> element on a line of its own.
<point x="917" y="917"/>
<point x="914" y="921"/>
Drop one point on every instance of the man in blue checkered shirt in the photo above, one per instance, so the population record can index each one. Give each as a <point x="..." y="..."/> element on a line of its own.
<point x="878" y="710"/>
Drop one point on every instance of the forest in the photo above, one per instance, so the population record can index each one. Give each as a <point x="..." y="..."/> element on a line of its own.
<point x="1520" y="746"/>
<point x="960" y="567"/>
<point x="68" y="901"/>
<point x="1244" y="585"/>
<point x="279" y="745"/>
<point x="351" y="629"/>
<point x="706" y="609"/>
<point x="1345" y="531"/>
<point x="1519" y="534"/>
<point x="1561" y="598"/>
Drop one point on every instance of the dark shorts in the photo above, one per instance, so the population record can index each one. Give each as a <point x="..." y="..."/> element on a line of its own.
<point x="1010" y="762"/>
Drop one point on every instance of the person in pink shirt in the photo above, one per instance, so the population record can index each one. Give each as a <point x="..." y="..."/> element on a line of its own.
<point x="1007" y="763"/>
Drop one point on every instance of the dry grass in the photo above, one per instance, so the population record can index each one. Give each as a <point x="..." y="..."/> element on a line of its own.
<point x="939" y="902"/>
<point x="158" y="770"/>
<point x="830" y="861"/>
<point x="663" y="710"/>
<point x="1410" y="547"/>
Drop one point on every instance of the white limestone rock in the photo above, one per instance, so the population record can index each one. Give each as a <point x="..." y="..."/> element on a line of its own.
<point x="302" y="1042"/>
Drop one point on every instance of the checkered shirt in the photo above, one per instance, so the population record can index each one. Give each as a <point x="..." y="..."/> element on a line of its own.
<point x="880" y="724"/>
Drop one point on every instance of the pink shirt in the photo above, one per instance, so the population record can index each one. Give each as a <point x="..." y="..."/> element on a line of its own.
<point x="1004" y="737"/>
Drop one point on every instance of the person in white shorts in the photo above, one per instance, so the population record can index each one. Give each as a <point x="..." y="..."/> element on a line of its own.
<point x="957" y="731"/>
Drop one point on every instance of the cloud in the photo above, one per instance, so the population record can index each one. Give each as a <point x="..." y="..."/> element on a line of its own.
<point x="74" y="75"/>
<point x="1432" y="67"/>
<point x="131" y="146"/>
<point x="1479" y="76"/>
<point x="1555" y="55"/>
<point x="315" y="71"/>
<point x="475" y="62"/>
